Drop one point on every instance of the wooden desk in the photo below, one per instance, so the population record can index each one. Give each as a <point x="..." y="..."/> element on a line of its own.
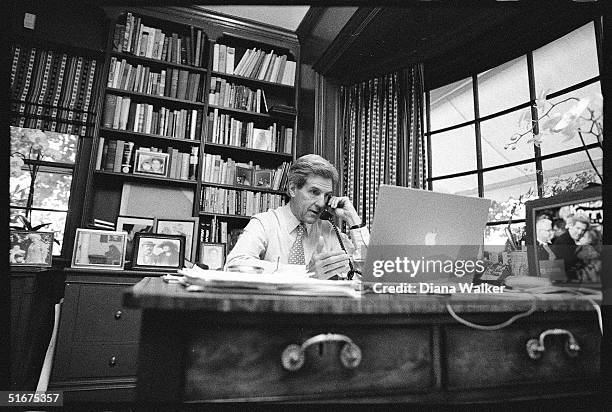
<point x="213" y="347"/>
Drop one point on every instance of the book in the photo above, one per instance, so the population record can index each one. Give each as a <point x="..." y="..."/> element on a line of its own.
<point x="99" y="153"/>
<point x="216" y="57"/>
<point x="229" y="65"/>
<point x="289" y="74"/>
<point x="128" y="154"/>
<point x="109" y="163"/>
<point x="118" y="156"/>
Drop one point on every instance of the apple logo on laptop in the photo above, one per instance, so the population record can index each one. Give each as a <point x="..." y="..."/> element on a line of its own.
<point x="430" y="238"/>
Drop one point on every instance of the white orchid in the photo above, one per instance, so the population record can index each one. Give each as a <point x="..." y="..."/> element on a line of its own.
<point x="566" y="124"/>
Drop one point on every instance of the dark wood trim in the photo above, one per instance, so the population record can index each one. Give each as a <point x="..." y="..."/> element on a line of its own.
<point x="215" y="24"/>
<point x="344" y="41"/>
<point x="310" y="20"/>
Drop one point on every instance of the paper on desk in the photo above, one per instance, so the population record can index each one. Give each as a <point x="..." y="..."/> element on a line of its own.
<point x="279" y="282"/>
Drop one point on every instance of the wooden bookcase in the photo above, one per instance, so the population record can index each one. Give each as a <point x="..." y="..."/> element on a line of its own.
<point x="276" y="97"/>
<point x="160" y="84"/>
<point x="244" y="128"/>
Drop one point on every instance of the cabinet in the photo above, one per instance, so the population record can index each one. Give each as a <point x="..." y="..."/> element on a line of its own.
<point x="97" y="342"/>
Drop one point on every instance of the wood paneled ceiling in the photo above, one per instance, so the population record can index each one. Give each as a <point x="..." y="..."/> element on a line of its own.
<point x="452" y="41"/>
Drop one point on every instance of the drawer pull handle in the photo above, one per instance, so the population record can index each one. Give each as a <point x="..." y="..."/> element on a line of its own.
<point x="293" y="356"/>
<point x="118" y="314"/>
<point x="112" y="362"/>
<point x="535" y="347"/>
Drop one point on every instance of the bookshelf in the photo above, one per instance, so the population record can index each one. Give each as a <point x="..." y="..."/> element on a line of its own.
<point x="152" y="112"/>
<point x="248" y="146"/>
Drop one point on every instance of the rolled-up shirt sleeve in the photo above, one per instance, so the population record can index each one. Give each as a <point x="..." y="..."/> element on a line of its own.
<point x="251" y="247"/>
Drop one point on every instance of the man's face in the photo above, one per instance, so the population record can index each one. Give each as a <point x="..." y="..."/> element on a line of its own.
<point x="147" y="249"/>
<point x="577" y="230"/>
<point x="545" y="231"/>
<point x="308" y="202"/>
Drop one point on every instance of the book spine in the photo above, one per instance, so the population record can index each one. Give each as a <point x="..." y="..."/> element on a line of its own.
<point x="99" y="153"/>
<point x="128" y="153"/>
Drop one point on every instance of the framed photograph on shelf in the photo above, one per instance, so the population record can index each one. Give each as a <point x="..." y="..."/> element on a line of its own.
<point x="99" y="249"/>
<point x="262" y="178"/>
<point x="186" y="227"/>
<point x="154" y="251"/>
<point x="213" y="255"/>
<point x="30" y="248"/>
<point x="133" y="225"/>
<point x="244" y="176"/>
<point x="151" y="163"/>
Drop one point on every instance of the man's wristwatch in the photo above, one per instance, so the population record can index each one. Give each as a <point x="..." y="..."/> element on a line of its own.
<point x="357" y="226"/>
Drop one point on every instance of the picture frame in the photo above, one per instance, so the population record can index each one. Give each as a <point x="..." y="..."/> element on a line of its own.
<point x="133" y="225"/>
<point x="158" y="252"/>
<point x="212" y="255"/>
<point x="263" y="178"/>
<point x="99" y="249"/>
<point x="244" y="176"/>
<point x="151" y="163"/>
<point x="587" y="202"/>
<point x="30" y="248"/>
<point x="187" y="227"/>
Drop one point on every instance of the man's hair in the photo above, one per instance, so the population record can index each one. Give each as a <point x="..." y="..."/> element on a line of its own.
<point x="311" y="164"/>
<point x="578" y="218"/>
<point x="541" y="222"/>
<point x="559" y="223"/>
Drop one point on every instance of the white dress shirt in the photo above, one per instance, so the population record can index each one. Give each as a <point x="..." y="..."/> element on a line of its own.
<point x="271" y="234"/>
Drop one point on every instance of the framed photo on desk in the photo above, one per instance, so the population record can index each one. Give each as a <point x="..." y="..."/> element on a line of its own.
<point x="153" y="251"/>
<point x="572" y="262"/>
<point x="99" y="249"/>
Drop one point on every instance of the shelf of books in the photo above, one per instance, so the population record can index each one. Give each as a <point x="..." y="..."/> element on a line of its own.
<point x="250" y="134"/>
<point x="152" y="116"/>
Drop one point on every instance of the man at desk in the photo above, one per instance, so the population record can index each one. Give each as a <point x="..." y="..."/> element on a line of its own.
<point x="295" y="234"/>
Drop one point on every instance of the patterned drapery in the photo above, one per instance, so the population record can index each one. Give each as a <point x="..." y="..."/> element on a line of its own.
<point x="383" y="136"/>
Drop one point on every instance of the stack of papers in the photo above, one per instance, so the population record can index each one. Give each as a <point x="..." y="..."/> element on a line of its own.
<point x="267" y="283"/>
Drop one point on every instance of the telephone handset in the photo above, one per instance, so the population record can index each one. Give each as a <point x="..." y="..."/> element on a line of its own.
<point x="327" y="215"/>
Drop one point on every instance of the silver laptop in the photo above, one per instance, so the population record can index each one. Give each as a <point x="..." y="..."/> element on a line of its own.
<point x="419" y="225"/>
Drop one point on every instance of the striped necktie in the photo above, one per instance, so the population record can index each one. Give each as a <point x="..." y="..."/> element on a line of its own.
<point x="296" y="254"/>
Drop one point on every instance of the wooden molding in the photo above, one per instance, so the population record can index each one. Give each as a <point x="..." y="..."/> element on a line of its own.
<point x="344" y="41"/>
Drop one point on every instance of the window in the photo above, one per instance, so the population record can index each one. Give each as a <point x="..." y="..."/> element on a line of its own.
<point x="42" y="165"/>
<point x="471" y="122"/>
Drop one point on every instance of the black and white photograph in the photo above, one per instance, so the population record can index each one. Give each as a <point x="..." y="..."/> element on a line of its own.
<point x="133" y="225"/>
<point x="213" y="255"/>
<point x="31" y="248"/>
<point x="244" y="176"/>
<point x="314" y="203"/>
<point x="158" y="252"/>
<point x="99" y="249"/>
<point x="151" y="163"/>
<point x="568" y="237"/>
<point x="262" y="178"/>
<point x="184" y="227"/>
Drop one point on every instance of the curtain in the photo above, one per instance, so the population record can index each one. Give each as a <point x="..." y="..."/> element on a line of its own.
<point x="383" y="137"/>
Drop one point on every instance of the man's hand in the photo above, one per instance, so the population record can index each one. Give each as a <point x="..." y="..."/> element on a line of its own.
<point x="344" y="209"/>
<point x="327" y="264"/>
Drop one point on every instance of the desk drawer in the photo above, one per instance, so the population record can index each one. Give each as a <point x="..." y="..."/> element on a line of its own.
<point x="100" y="316"/>
<point x="492" y="358"/>
<point x="245" y="361"/>
<point x="95" y="361"/>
